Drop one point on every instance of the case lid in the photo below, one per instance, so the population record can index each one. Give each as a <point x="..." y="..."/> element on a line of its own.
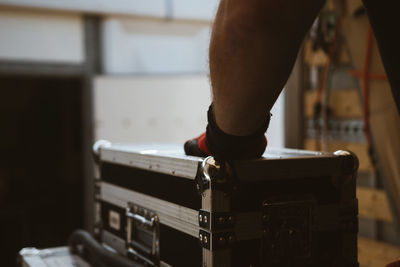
<point x="275" y="163"/>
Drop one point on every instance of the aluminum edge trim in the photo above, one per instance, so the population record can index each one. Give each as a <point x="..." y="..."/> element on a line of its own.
<point x="178" y="217"/>
<point x="184" y="168"/>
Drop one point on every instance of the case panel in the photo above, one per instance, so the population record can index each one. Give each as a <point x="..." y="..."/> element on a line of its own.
<point x="171" y="188"/>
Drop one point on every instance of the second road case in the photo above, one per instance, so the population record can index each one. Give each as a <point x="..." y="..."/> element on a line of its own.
<point x="160" y="207"/>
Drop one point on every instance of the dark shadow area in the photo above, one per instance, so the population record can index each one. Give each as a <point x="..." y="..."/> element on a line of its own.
<point x="41" y="171"/>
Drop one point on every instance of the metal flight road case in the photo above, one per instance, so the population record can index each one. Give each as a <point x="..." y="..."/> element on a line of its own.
<point x="159" y="207"/>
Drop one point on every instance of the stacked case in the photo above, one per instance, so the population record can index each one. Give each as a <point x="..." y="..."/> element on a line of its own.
<point x="160" y="207"/>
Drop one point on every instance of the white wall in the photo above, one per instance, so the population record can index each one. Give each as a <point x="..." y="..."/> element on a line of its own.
<point x="146" y="46"/>
<point x="146" y="106"/>
<point x="155" y="8"/>
<point x="276" y="130"/>
<point x="160" y="109"/>
<point x="177" y="9"/>
<point x="194" y="9"/>
<point x="150" y="108"/>
<point x="41" y="36"/>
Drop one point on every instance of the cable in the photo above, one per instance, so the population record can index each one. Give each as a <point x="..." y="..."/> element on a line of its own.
<point x="83" y="244"/>
<point x="365" y="79"/>
<point x="321" y="107"/>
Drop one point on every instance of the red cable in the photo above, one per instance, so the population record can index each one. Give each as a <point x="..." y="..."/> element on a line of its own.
<point x="366" y="76"/>
<point x="365" y="87"/>
<point x="381" y="77"/>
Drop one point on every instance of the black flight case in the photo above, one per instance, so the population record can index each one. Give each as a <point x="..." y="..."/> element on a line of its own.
<point x="159" y="207"/>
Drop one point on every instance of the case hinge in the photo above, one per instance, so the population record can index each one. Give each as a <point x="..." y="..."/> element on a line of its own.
<point x="217" y="240"/>
<point x="216" y="220"/>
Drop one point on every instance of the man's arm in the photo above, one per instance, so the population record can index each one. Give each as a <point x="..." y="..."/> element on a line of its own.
<point x="253" y="48"/>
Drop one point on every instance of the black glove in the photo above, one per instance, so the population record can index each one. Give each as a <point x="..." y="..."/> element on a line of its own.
<point x="224" y="146"/>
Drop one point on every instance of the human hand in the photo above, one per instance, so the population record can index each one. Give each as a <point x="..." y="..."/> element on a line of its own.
<point x="198" y="147"/>
<point x="223" y="146"/>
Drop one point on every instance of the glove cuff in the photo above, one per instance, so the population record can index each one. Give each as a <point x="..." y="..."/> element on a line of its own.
<point x="225" y="146"/>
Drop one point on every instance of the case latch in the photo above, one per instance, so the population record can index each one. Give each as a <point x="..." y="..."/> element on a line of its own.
<point x="142" y="235"/>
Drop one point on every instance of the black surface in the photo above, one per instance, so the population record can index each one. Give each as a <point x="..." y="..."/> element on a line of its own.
<point x="332" y="238"/>
<point x="250" y="196"/>
<point x="383" y="16"/>
<point x="319" y="209"/>
<point x="173" y="189"/>
<point x="246" y="253"/>
<point x="179" y="249"/>
<point x="252" y="253"/>
<point x="41" y="179"/>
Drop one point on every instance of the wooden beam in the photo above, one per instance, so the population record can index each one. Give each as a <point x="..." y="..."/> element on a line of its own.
<point x="373" y="204"/>
<point x="344" y="104"/>
<point x="385" y="132"/>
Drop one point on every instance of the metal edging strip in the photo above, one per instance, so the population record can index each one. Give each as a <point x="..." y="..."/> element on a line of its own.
<point x="178" y="217"/>
<point x="185" y="168"/>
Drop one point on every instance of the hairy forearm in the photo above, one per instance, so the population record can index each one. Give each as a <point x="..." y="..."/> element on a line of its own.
<point x="252" y="51"/>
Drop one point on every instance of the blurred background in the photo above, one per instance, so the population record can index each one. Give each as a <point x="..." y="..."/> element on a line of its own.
<point x="72" y="72"/>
